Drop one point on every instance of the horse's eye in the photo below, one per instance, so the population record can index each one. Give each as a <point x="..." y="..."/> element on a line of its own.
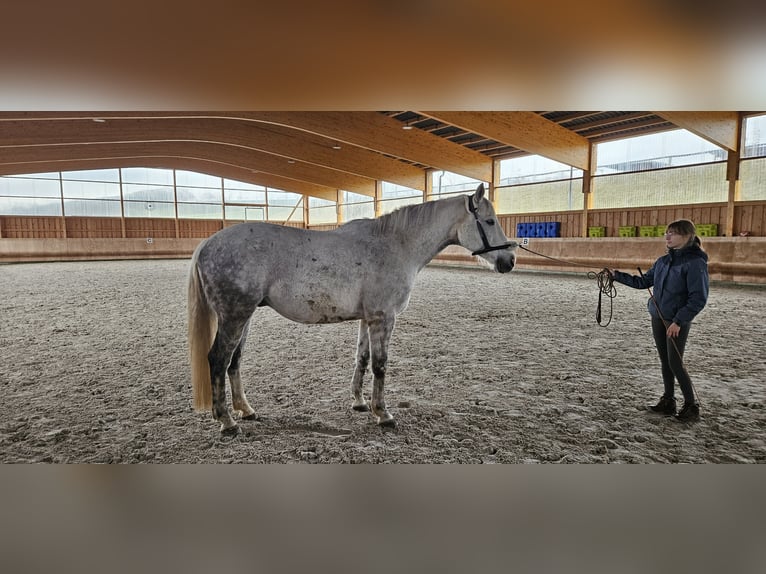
<point x="490" y="222"/>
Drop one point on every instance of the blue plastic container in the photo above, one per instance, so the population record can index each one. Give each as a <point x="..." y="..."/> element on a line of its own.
<point x="553" y="229"/>
<point x="526" y="229"/>
<point x="540" y="229"/>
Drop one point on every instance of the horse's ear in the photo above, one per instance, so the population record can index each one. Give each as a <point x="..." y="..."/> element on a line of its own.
<point x="479" y="194"/>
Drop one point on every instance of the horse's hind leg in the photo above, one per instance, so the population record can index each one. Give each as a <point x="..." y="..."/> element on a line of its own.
<point x="362" y="360"/>
<point x="380" y="334"/>
<point x="238" y="399"/>
<point x="226" y="342"/>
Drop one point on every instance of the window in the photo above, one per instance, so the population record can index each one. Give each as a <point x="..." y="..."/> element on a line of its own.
<point x="755" y="137"/>
<point x="97" y="197"/>
<point x="147" y="176"/>
<point x="549" y="196"/>
<point x="685" y="185"/>
<point x="447" y="183"/>
<point x="356" y="206"/>
<point x="534" y="169"/>
<point x="322" y="211"/>
<point x="656" y="151"/>
<point x="34" y="194"/>
<point x="284" y="206"/>
<point x="394" y="196"/>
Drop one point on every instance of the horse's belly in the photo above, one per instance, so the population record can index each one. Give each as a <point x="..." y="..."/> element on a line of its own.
<point x="313" y="308"/>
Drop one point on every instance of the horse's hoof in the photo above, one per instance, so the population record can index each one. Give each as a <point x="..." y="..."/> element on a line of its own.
<point x="249" y="417"/>
<point x="387" y="423"/>
<point x="231" y="431"/>
<point x="361" y="408"/>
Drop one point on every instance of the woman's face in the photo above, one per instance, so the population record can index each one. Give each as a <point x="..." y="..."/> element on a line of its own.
<point x="674" y="240"/>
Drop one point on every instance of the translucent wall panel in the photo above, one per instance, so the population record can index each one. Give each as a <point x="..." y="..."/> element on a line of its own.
<point x="199" y="211"/>
<point x="91" y="190"/>
<point x="256" y="196"/>
<point x="389" y="205"/>
<point x="694" y="184"/>
<point x="284" y="205"/>
<point x="447" y="183"/>
<point x="147" y="176"/>
<point x="356" y="206"/>
<point x="149" y="209"/>
<point x="540" y="197"/>
<point x="534" y="169"/>
<point x="393" y="191"/>
<point x="147" y="192"/>
<point x="755" y="137"/>
<point x="194" y="179"/>
<point x="199" y="195"/>
<point x="322" y="211"/>
<point x="351" y="211"/>
<point x="752" y="175"/>
<point x="30" y="187"/>
<point x="92" y="207"/>
<point x="655" y="151"/>
<point x="323" y="215"/>
<point x="29" y="206"/>
<point x="244" y="213"/>
<point x="102" y="175"/>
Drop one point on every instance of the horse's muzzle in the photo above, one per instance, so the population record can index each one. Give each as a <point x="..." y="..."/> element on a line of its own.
<point x="504" y="265"/>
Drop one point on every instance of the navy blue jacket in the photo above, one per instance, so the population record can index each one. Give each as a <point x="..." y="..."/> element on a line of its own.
<point x="680" y="281"/>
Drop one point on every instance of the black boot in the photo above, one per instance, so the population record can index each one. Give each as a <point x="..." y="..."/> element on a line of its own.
<point x="666" y="406"/>
<point x="689" y="413"/>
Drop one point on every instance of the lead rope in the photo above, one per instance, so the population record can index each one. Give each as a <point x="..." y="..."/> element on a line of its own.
<point x="603" y="279"/>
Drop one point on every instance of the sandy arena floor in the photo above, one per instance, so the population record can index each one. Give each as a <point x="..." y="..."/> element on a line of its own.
<point x="483" y="368"/>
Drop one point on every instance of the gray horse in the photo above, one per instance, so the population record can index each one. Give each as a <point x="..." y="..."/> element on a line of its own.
<point x="364" y="270"/>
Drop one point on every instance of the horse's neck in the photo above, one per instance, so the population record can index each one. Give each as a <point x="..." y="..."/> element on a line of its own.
<point x="437" y="234"/>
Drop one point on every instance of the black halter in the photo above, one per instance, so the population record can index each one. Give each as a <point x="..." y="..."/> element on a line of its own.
<point x="484" y="240"/>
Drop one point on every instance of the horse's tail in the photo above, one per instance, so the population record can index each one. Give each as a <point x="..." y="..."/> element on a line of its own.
<point x="202" y="328"/>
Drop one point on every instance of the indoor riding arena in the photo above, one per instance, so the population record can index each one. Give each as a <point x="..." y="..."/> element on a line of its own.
<point x="542" y="364"/>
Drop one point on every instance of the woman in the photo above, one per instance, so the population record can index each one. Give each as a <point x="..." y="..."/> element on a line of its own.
<point x="680" y="281"/>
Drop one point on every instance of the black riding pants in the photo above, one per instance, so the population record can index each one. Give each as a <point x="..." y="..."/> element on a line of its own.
<point x="671" y="358"/>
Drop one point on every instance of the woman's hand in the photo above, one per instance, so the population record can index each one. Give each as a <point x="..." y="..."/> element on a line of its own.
<point x="673" y="330"/>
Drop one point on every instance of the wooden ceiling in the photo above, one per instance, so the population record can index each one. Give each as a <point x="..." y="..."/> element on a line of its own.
<point x="316" y="153"/>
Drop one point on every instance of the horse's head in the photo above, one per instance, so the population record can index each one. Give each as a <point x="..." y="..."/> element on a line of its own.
<point x="483" y="235"/>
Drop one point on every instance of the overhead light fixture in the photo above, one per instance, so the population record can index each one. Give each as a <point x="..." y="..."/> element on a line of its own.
<point x="336" y="145"/>
<point x="99" y="120"/>
<point x="290" y="161"/>
<point x="408" y="125"/>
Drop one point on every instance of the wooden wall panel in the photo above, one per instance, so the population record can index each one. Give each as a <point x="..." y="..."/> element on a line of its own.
<point x="198" y="228"/>
<point x="32" y="227"/>
<point x="700" y="214"/>
<point x="148" y="227"/>
<point x="93" y="227"/>
<point x="750" y="218"/>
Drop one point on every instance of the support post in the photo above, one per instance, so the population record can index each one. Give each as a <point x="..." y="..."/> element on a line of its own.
<point x="378" y="197"/>
<point x="587" y="189"/>
<point x="732" y="177"/>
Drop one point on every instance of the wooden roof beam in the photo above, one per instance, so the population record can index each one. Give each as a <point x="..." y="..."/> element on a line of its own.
<point x="274" y="139"/>
<point x="524" y="130"/>
<point x="719" y="128"/>
<point x="378" y="132"/>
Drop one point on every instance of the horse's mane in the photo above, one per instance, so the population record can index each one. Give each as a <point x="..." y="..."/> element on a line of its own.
<point x="404" y="218"/>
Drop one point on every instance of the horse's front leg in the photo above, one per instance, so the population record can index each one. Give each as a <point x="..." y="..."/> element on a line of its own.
<point x="380" y="331"/>
<point x="360" y="369"/>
